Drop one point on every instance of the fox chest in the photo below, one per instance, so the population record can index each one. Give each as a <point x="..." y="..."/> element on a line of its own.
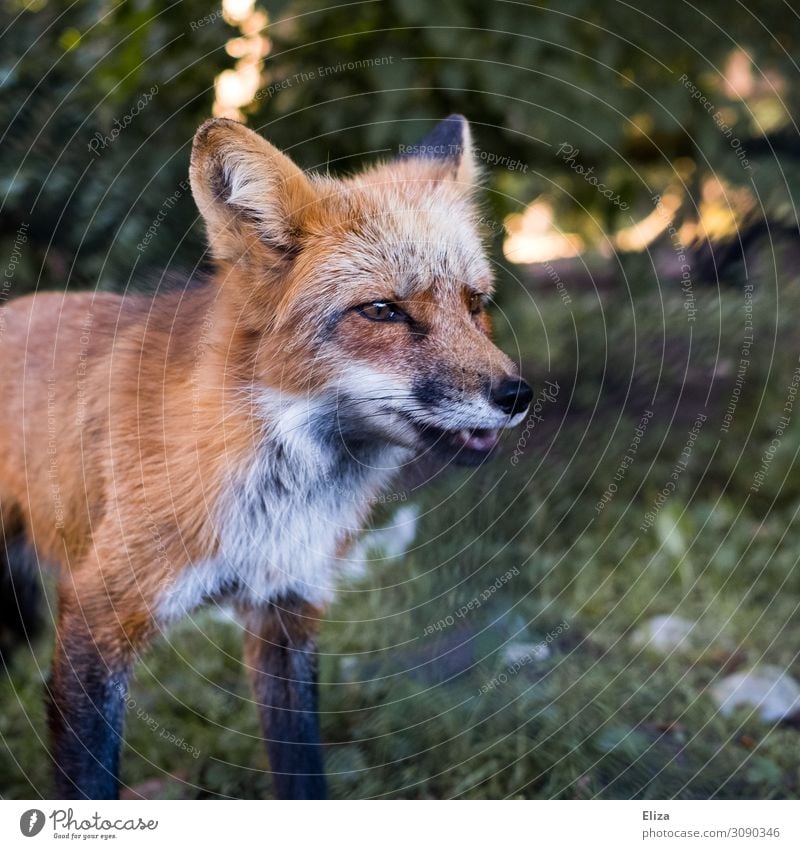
<point x="274" y="540"/>
<point x="289" y="544"/>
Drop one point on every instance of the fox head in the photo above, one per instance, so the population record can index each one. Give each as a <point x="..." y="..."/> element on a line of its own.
<point x="363" y="300"/>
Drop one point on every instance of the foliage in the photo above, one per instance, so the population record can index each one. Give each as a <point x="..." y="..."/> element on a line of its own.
<point x="603" y="77"/>
<point x="345" y="83"/>
<point x="67" y="74"/>
<point x="403" y="711"/>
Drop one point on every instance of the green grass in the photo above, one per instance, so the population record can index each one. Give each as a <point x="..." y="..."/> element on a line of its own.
<point x="403" y="712"/>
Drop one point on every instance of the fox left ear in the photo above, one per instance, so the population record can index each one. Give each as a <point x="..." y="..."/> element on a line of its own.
<point x="247" y="190"/>
<point x="448" y="144"/>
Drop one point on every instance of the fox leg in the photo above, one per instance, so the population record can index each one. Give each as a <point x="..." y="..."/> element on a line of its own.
<point x="280" y="652"/>
<point x="88" y="690"/>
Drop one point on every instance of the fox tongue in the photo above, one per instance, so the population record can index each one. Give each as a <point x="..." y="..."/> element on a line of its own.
<point x="480" y="439"/>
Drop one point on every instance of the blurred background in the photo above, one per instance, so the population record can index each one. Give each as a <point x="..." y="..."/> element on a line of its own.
<point x="610" y="608"/>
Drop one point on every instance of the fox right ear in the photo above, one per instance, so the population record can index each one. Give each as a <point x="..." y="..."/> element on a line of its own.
<point x="246" y="189"/>
<point x="449" y="146"/>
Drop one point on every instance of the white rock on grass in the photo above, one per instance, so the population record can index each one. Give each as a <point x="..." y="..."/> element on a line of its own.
<point x="224" y="612"/>
<point x="666" y="634"/>
<point x="390" y="542"/>
<point x="514" y="653"/>
<point x="348" y="667"/>
<point x="768" y="688"/>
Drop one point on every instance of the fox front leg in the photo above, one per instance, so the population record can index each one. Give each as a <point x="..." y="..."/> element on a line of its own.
<point x="87" y="694"/>
<point x="280" y="652"/>
<point x="85" y="713"/>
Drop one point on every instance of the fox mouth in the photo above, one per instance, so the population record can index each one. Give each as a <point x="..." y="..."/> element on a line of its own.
<point x="466" y="445"/>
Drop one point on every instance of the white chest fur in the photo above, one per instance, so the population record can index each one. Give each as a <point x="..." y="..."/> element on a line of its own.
<point x="280" y="526"/>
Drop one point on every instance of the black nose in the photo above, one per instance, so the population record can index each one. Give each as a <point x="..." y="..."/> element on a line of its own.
<point x="512" y="396"/>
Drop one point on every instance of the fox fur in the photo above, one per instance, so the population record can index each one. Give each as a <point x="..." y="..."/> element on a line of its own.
<point x="225" y="441"/>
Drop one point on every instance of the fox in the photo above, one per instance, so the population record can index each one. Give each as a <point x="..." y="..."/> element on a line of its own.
<point x="225" y="441"/>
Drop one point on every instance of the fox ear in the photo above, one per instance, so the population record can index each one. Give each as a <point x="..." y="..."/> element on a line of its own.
<point x="246" y="189"/>
<point x="448" y="144"/>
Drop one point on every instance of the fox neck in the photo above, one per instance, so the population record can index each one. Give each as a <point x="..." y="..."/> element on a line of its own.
<point x="307" y="448"/>
<point x="290" y="510"/>
<point x="291" y="493"/>
<point x="288" y="422"/>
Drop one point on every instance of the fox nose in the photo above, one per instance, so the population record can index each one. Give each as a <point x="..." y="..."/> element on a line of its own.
<point x="512" y="396"/>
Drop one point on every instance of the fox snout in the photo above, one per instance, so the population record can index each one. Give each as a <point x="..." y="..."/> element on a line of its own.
<point x="495" y="403"/>
<point x="465" y="423"/>
<point x="512" y="395"/>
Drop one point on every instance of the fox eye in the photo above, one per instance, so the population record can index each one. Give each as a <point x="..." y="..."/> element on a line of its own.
<point x="477" y="301"/>
<point x="382" y="311"/>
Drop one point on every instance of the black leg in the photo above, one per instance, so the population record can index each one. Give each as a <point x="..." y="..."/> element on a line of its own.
<point x="86" y="706"/>
<point x="280" y="651"/>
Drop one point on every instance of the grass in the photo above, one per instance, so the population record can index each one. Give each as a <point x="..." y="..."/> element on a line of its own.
<point x="416" y="707"/>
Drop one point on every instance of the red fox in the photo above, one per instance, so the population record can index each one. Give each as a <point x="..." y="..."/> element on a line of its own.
<point x="225" y="441"/>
